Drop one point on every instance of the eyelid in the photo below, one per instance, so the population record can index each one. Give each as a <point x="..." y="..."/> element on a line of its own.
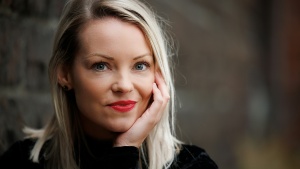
<point x="145" y="63"/>
<point x="100" y="62"/>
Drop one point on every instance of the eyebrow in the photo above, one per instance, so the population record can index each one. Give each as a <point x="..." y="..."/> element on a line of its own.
<point x="141" y="56"/>
<point x="111" y="58"/>
<point x="100" y="55"/>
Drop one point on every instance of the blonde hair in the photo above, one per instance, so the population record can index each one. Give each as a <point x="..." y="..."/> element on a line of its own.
<point x="160" y="147"/>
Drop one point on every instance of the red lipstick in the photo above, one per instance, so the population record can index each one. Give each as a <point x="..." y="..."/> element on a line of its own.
<point x="123" y="105"/>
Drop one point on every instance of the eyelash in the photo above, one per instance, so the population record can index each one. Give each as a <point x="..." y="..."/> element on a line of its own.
<point x="94" y="66"/>
<point x="144" y="63"/>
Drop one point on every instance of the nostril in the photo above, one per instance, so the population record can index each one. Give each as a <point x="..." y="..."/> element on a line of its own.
<point x="122" y="87"/>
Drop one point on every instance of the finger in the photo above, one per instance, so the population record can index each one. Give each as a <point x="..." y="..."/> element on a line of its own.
<point x="143" y="126"/>
<point x="149" y="119"/>
<point x="163" y="89"/>
<point x="157" y="103"/>
<point x="162" y="86"/>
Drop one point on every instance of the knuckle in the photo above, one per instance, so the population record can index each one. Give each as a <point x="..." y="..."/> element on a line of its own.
<point x="160" y="100"/>
<point x="152" y="121"/>
<point x="167" y="97"/>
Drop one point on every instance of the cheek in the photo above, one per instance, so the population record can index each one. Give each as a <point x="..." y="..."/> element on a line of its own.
<point x="145" y="88"/>
<point x="87" y="90"/>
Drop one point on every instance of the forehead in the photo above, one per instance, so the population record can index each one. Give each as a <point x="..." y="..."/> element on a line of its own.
<point x="109" y="27"/>
<point x="111" y="36"/>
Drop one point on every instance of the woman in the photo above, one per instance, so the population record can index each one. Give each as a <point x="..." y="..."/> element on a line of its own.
<point x="113" y="95"/>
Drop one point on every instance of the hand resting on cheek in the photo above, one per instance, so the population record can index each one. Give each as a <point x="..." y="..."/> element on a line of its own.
<point x="144" y="125"/>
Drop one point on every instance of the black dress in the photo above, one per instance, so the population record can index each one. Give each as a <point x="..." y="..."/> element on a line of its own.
<point x="101" y="155"/>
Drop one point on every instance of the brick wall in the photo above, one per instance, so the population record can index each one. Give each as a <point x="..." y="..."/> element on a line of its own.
<point x="26" y="35"/>
<point x="223" y="71"/>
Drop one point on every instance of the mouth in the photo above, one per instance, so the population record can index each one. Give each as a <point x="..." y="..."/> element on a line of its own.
<point x="123" y="106"/>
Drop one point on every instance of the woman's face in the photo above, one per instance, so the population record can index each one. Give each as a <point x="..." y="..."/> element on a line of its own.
<point x="112" y="76"/>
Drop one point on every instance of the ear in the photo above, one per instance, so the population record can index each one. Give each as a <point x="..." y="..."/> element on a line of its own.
<point x="64" y="77"/>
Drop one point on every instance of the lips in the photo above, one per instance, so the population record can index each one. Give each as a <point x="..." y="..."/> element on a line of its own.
<point x="123" y="106"/>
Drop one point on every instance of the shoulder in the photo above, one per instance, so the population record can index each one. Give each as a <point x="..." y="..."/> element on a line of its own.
<point x="193" y="157"/>
<point x="20" y="147"/>
<point x="18" y="155"/>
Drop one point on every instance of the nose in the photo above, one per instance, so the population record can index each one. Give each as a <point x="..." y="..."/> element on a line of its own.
<point x="122" y="84"/>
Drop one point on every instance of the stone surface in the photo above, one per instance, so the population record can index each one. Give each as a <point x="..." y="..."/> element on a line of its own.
<point x="26" y="35"/>
<point x="225" y="99"/>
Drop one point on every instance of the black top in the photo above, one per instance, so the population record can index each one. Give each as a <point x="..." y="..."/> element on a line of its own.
<point x="103" y="155"/>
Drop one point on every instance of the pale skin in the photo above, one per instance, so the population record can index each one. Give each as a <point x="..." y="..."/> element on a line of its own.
<point x="115" y="62"/>
<point x="143" y="126"/>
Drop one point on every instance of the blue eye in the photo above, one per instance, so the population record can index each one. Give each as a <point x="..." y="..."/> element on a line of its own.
<point x="100" y="66"/>
<point x="141" y="66"/>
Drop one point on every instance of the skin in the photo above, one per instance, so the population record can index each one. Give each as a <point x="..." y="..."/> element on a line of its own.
<point x="114" y="63"/>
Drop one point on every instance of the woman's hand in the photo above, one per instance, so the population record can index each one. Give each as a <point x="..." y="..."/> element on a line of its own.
<point x="143" y="125"/>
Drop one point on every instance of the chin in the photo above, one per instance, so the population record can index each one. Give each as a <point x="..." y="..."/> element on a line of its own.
<point x="121" y="128"/>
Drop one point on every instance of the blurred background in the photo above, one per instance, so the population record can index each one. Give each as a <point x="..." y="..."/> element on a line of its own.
<point x="237" y="75"/>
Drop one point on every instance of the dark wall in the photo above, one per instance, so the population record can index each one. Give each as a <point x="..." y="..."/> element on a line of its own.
<point x="237" y="75"/>
<point x="26" y="34"/>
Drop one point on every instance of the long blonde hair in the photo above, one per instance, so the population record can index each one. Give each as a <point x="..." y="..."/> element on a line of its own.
<point x="160" y="147"/>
